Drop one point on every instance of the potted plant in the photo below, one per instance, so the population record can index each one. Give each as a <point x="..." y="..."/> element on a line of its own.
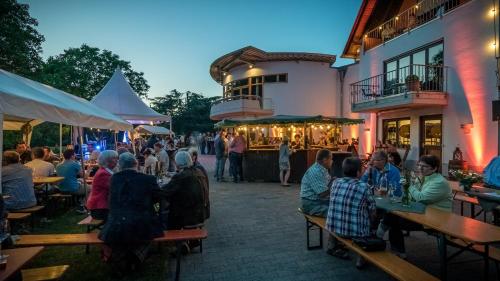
<point x="412" y="83"/>
<point x="465" y="178"/>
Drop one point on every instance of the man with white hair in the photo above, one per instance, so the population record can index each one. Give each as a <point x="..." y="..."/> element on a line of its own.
<point x="97" y="202"/>
<point x="132" y="220"/>
<point x="186" y="194"/>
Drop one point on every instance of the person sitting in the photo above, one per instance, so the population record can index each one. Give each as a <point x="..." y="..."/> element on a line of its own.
<point x="395" y="159"/>
<point x="132" y="221"/>
<point x="17" y="183"/>
<point x="314" y="190"/>
<point x="162" y="157"/>
<point x="206" y="183"/>
<point x="431" y="189"/>
<point x="40" y="167"/>
<point x="97" y="202"/>
<point x="149" y="162"/>
<point x="70" y="169"/>
<point x="185" y="194"/>
<point x="381" y="173"/>
<point x="24" y="152"/>
<point x="94" y="156"/>
<point x="352" y="207"/>
<point x="49" y="156"/>
<point x="492" y="173"/>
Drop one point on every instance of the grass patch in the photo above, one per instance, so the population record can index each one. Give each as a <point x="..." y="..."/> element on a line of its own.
<point x="89" y="266"/>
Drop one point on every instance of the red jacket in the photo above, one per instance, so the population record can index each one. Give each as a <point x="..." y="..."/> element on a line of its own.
<point x="98" y="198"/>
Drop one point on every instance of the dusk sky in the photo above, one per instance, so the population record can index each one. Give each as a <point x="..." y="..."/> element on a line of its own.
<point x="174" y="42"/>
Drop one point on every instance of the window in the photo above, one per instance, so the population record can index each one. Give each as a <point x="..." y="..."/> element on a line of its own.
<point x="422" y="61"/>
<point x="397" y="132"/>
<point x="252" y="85"/>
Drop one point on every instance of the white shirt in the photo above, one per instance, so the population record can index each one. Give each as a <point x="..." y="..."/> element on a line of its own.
<point x="41" y="168"/>
<point x="150" y="162"/>
<point x="162" y="156"/>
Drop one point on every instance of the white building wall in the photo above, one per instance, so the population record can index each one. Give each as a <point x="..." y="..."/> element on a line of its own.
<point x="467" y="33"/>
<point x="310" y="90"/>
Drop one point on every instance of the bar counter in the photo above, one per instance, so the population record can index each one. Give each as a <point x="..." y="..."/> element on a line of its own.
<point x="262" y="164"/>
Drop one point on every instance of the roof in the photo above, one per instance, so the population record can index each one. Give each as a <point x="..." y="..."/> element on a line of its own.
<point x="155" y="130"/>
<point x="24" y="100"/>
<point x="290" y="119"/>
<point x="356" y="36"/>
<point x="252" y="55"/>
<point x="120" y="99"/>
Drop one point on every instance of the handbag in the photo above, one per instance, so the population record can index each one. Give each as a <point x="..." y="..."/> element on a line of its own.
<point x="370" y="244"/>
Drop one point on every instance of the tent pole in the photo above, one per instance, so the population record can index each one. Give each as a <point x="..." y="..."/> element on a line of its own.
<point x="1" y="146"/>
<point x="60" y="140"/>
<point x="82" y="159"/>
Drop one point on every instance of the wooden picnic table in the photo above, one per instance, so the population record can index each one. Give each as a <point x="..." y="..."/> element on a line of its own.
<point x="17" y="259"/>
<point x="46" y="181"/>
<point x="471" y="231"/>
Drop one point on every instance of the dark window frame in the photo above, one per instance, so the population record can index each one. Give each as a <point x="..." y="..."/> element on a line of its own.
<point x="397" y="120"/>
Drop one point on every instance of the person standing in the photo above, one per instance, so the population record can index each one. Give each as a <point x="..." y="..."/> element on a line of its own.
<point x="203" y="143"/>
<point x="150" y="162"/>
<point x="284" y="161"/>
<point x="236" y="150"/>
<point x="163" y="158"/>
<point x="220" y="155"/>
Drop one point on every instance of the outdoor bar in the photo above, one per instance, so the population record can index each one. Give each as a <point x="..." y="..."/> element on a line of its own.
<point x="307" y="135"/>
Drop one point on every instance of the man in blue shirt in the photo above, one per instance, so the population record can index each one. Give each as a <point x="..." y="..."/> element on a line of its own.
<point x="314" y="190"/>
<point x="17" y="183"/>
<point x="492" y="173"/>
<point x="382" y="173"/>
<point x="71" y="170"/>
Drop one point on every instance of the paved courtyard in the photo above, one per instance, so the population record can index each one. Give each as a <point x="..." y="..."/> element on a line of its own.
<point x="255" y="233"/>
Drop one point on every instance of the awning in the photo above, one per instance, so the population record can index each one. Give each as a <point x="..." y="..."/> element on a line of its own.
<point x="22" y="99"/>
<point x="290" y="119"/>
<point x="152" y="130"/>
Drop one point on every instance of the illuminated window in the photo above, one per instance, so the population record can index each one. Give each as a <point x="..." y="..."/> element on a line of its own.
<point x="397" y="132"/>
<point x="252" y="86"/>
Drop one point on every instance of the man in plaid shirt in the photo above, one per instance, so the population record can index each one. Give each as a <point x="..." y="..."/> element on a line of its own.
<point x="314" y="185"/>
<point x="351" y="205"/>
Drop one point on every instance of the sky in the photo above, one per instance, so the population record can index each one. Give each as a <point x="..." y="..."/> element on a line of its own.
<point x="174" y="42"/>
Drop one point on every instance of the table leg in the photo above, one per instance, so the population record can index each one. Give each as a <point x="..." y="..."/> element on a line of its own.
<point x="486" y="257"/>
<point x="443" y="256"/>
<point x="178" y="263"/>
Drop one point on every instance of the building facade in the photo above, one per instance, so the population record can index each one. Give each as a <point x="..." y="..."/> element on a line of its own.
<point x="424" y="80"/>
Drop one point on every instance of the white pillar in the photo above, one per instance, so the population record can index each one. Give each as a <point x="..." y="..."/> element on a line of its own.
<point x="60" y="140"/>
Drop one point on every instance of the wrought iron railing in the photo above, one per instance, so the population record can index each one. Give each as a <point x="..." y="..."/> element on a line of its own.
<point x="418" y="14"/>
<point x="412" y="78"/>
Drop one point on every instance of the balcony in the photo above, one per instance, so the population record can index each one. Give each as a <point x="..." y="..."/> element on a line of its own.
<point x="241" y="106"/>
<point x="417" y="15"/>
<point x="412" y="86"/>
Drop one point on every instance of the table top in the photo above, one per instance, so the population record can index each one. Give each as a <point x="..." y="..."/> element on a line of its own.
<point x="455" y="225"/>
<point x="42" y="180"/>
<point x="17" y="259"/>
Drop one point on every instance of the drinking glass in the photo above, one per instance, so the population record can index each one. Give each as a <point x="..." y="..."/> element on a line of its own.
<point x="392" y="193"/>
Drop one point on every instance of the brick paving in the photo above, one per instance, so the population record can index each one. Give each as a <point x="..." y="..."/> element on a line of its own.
<point x="255" y="233"/>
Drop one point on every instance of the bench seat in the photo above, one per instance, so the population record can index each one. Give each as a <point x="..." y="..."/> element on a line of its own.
<point x="33" y="209"/>
<point x="92" y="239"/>
<point x="44" y="273"/>
<point x="395" y="266"/>
<point x="18" y="216"/>
<point x="90" y="221"/>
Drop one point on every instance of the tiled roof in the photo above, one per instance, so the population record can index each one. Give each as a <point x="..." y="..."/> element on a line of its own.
<point x="252" y="55"/>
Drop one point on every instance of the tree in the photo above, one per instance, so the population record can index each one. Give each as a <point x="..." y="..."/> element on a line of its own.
<point x="20" y="42"/>
<point x="84" y="71"/>
<point x="189" y="111"/>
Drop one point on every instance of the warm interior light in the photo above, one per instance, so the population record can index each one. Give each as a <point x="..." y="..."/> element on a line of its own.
<point x="397" y="18"/>
<point x="357" y="50"/>
<point x="492" y="12"/>
<point x="366" y="35"/>
<point x="250" y="66"/>
<point x="224" y="73"/>
<point x="493" y="45"/>
<point x="380" y="27"/>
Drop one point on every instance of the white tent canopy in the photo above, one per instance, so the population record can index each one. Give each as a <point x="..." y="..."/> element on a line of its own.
<point x="22" y="99"/>
<point x="120" y="99"/>
<point x="155" y="130"/>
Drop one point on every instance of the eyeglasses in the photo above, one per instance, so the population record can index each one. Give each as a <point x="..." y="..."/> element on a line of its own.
<point x="423" y="166"/>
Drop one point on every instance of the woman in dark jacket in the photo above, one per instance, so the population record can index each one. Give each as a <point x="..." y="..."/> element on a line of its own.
<point x="132" y="221"/>
<point x="185" y="194"/>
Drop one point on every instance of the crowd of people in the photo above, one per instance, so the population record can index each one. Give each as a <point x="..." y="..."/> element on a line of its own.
<point x="232" y="147"/>
<point x="136" y="203"/>
<point x="348" y="202"/>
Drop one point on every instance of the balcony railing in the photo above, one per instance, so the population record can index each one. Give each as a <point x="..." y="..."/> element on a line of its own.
<point x="412" y="78"/>
<point x="424" y="11"/>
<point x="240" y="106"/>
<point x="264" y="103"/>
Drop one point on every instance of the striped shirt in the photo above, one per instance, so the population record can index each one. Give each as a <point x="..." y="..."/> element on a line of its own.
<point x="17" y="182"/>
<point x="314" y="182"/>
<point x="351" y="205"/>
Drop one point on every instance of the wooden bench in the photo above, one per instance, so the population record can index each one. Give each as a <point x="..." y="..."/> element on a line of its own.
<point x="472" y="201"/>
<point x="91" y="225"/>
<point x="17" y="216"/>
<point x="32" y="210"/>
<point x="44" y="273"/>
<point x="177" y="236"/>
<point x="395" y="266"/>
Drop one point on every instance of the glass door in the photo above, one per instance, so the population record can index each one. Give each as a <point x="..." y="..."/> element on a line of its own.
<point x="431" y="137"/>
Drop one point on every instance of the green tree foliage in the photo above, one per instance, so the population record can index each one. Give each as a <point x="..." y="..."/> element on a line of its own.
<point x="85" y="70"/>
<point x="20" y="42"/>
<point x="190" y="111"/>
